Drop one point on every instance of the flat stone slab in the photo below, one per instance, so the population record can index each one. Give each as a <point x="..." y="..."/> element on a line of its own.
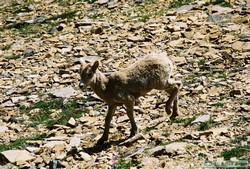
<point x="53" y="144"/>
<point x="14" y="156"/>
<point x="65" y="92"/>
<point x="176" y="147"/>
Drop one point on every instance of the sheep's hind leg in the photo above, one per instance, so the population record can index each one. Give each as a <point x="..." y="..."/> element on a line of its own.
<point x="173" y="98"/>
<point x="111" y="110"/>
<point x="130" y="101"/>
<point x="175" y="107"/>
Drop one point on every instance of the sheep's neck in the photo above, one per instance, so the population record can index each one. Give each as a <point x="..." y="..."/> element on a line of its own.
<point x="99" y="83"/>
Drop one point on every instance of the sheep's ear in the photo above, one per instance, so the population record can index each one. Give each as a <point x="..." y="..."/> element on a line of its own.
<point x="82" y="61"/>
<point x="95" y="66"/>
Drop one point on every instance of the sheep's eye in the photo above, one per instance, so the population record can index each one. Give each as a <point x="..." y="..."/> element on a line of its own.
<point x="89" y="74"/>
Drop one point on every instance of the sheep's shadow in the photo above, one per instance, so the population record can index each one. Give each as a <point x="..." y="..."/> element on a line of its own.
<point x="123" y="142"/>
<point x="75" y="152"/>
<point x="98" y="148"/>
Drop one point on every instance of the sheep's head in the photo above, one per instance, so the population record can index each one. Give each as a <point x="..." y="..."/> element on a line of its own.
<point x="87" y="72"/>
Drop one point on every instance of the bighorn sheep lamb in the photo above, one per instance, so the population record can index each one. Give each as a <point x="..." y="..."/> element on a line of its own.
<point x="154" y="71"/>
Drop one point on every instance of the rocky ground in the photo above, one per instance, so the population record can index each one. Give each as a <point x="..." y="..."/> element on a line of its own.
<point x="47" y="122"/>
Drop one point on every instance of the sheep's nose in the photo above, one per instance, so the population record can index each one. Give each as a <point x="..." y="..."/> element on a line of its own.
<point x="81" y="85"/>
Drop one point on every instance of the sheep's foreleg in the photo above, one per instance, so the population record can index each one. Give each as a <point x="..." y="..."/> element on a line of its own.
<point x="111" y="110"/>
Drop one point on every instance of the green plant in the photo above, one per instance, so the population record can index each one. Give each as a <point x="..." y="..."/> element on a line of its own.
<point x="241" y="152"/>
<point x="240" y="138"/>
<point x="12" y="57"/>
<point x="239" y="120"/>
<point x="21" y="142"/>
<point x="218" y="104"/>
<point x="16" y="8"/>
<point x="222" y="75"/>
<point x="70" y="2"/>
<point x="201" y="62"/>
<point x="37" y="29"/>
<point x="243" y="36"/>
<point x="205" y="125"/>
<point x="179" y="3"/>
<point x="6" y="47"/>
<point x="143" y="18"/>
<point x="33" y="29"/>
<point x="123" y="164"/>
<point x="247" y="102"/>
<point x="202" y="155"/>
<point x="43" y="110"/>
<point x="190" y="79"/>
<point x="66" y="15"/>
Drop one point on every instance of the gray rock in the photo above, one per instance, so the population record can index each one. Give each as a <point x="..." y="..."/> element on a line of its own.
<point x="10" y="20"/>
<point x="201" y="119"/>
<point x="6" y="73"/>
<point x="7" y="103"/>
<point x="102" y="2"/>
<point x="184" y="8"/>
<point x="178" y="147"/>
<point x="52" y="30"/>
<point x="13" y="120"/>
<point x="65" y="92"/>
<point x="33" y="97"/>
<point x="66" y="50"/>
<point x="172" y="148"/>
<point x="75" y="142"/>
<point x="156" y="150"/>
<point x="85" y="156"/>
<point x="219" y="18"/>
<point x="10" y="92"/>
<point x="33" y="76"/>
<point x="37" y="19"/>
<point x="71" y="122"/>
<point x="33" y="149"/>
<point x="3" y="129"/>
<point x="89" y="58"/>
<point x="150" y="162"/>
<point x="31" y="7"/>
<point x="55" y="145"/>
<point x="18" y="99"/>
<point x="220" y="9"/>
<point x="28" y="52"/>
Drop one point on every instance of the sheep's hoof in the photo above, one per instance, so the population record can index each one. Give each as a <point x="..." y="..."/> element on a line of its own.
<point x="101" y="141"/>
<point x="173" y="116"/>
<point x="168" y="110"/>
<point x="132" y="133"/>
